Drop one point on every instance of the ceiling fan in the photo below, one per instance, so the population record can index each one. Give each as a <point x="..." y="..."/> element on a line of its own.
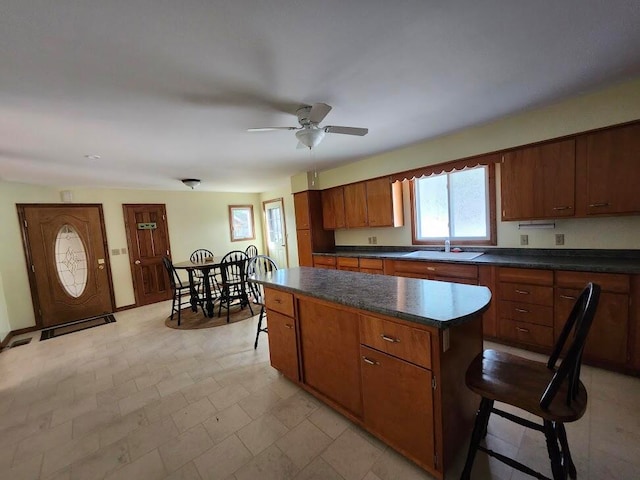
<point x="309" y="133"/>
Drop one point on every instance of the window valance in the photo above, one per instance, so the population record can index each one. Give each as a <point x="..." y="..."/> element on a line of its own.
<point x="447" y="167"/>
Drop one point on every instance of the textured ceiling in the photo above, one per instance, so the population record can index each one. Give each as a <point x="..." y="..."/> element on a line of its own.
<point x="164" y="90"/>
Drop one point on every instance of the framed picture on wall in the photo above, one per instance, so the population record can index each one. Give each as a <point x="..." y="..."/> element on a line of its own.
<point x="241" y="222"/>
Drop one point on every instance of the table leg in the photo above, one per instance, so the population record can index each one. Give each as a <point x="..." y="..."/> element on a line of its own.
<point x="194" y="291"/>
<point x="207" y="293"/>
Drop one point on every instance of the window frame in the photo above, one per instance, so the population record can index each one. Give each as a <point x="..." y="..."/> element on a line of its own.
<point x="491" y="193"/>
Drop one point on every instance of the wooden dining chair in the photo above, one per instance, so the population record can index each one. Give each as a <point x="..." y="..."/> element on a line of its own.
<point x="251" y="251"/>
<point x="260" y="265"/>
<point x="201" y="255"/>
<point x="555" y="395"/>
<point x="181" y="290"/>
<point x="233" y="284"/>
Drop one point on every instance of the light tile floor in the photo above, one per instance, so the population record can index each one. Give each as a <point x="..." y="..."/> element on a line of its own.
<point x="137" y="400"/>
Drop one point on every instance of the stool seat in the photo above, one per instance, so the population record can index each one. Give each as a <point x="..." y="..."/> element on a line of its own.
<point x="518" y="381"/>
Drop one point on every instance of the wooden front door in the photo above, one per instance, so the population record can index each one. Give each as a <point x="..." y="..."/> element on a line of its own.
<point x="69" y="273"/>
<point x="148" y="240"/>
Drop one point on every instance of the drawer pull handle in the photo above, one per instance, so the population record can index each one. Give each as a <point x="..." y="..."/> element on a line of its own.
<point x="369" y="361"/>
<point x="524" y="330"/>
<point x="568" y="297"/>
<point x="522" y="310"/>
<point x="389" y="339"/>
<point x="561" y="208"/>
<point x="288" y="325"/>
<point x="602" y="204"/>
<point x="277" y="300"/>
<point x="522" y="292"/>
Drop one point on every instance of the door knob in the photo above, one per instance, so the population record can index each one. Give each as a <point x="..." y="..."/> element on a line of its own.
<point x="137" y="262"/>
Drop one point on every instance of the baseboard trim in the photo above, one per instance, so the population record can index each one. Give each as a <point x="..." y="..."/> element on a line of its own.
<point x="14" y="333"/>
<point x="126" y="307"/>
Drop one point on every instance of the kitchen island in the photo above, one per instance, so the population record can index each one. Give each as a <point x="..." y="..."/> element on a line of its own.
<point x="390" y="353"/>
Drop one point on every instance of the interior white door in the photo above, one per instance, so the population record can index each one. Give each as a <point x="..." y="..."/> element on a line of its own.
<point x="276" y="231"/>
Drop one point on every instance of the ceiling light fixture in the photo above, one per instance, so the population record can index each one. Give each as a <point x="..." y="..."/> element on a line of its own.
<point x="310" y="137"/>
<point x="191" y="182"/>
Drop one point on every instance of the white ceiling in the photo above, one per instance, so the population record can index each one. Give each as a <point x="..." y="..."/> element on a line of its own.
<point x="163" y="89"/>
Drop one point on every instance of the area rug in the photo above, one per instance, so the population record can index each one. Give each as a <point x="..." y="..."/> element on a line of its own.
<point x="194" y="320"/>
<point x="76" y="326"/>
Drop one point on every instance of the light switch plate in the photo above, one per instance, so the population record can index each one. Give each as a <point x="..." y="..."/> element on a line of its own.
<point x="115" y="251"/>
<point x="559" y="238"/>
<point x="524" y="239"/>
<point x="123" y="251"/>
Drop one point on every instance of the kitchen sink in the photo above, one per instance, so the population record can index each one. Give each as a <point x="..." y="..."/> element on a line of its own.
<point x="434" y="255"/>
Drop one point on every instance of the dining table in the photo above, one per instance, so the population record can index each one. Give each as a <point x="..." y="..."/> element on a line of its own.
<point x="205" y="266"/>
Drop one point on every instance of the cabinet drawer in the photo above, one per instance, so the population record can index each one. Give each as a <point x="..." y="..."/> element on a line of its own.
<point x="432" y="269"/>
<point x="609" y="282"/>
<point x="526" y="312"/>
<point x="525" y="293"/>
<point x="407" y="343"/>
<point x="373" y="271"/>
<point x="324" y="260"/>
<point x="279" y="301"/>
<point x="371" y="263"/>
<point x="349" y="262"/>
<point x="526" y="275"/>
<point x="525" y="332"/>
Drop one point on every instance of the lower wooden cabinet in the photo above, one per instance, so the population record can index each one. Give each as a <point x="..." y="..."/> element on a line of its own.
<point x="329" y="340"/>
<point x="398" y="403"/>
<point x="283" y="347"/>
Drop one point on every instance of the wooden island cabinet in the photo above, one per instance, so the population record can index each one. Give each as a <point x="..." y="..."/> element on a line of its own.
<point x="390" y="355"/>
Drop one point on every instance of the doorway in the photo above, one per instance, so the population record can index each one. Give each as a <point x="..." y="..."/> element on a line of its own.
<point x="69" y="271"/>
<point x="276" y="231"/>
<point x="148" y="241"/>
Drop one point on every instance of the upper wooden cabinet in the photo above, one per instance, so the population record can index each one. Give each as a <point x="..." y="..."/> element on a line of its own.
<point x="310" y="234"/>
<point x="301" y="203"/>
<point x="539" y="181"/>
<point x="374" y="203"/>
<point x="333" y="208"/>
<point x="608" y="171"/>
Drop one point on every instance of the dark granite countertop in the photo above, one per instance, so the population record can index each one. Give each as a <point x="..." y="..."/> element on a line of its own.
<point x="589" y="260"/>
<point x="437" y="304"/>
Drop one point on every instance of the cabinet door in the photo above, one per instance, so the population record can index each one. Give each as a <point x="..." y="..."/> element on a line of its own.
<point x="612" y="173"/>
<point x="355" y="205"/>
<point x="379" y="203"/>
<point x="305" y="257"/>
<point x="539" y="182"/>
<point x="283" y="349"/>
<point x="330" y="345"/>
<point x="333" y="208"/>
<point x="398" y="403"/>
<point x="301" y="206"/>
<point x="607" y="339"/>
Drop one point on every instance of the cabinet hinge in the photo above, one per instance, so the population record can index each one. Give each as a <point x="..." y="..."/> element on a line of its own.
<point x="163" y="217"/>
<point x="502" y="160"/>
<point x="33" y="268"/>
<point x="434" y="384"/>
<point x="25" y="223"/>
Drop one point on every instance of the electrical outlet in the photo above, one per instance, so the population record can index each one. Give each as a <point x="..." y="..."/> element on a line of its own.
<point x="123" y="251"/>
<point x="369" y="240"/>
<point x="524" y="239"/>
<point x="115" y="251"/>
<point x="559" y="238"/>
<point x="374" y="240"/>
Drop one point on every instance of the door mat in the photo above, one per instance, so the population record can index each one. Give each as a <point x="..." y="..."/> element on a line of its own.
<point x="76" y="326"/>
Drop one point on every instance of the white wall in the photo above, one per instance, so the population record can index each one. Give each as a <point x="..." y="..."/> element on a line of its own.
<point x="195" y="219"/>
<point x="611" y="106"/>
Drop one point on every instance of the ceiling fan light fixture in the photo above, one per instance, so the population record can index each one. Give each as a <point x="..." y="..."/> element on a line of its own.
<point x="191" y="182"/>
<point x="310" y="137"/>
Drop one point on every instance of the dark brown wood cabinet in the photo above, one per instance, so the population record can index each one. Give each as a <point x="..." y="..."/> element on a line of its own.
<point x="348" y="263"/>
<point x="333" y="213"/>
<point x="329" y="339"/>
<point x="607" y="171"/>
<point x="607" y="343"/>
<point x="283" y="345"/>
<point x="373" y="203"/>
<point x="311" y="235"/>
<point x="539" y="181"/>
<point x="324" y="261"/>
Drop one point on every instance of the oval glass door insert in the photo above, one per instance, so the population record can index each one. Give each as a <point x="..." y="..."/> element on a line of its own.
<point x="71" y="260"/>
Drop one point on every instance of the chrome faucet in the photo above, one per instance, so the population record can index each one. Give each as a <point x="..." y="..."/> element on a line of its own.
<point x="447" y="245"/>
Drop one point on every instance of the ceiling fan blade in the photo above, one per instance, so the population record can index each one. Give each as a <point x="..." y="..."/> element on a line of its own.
<point x="318" y="112"/>
<point x="269" y="129"/>
<point x="347" y="130"/>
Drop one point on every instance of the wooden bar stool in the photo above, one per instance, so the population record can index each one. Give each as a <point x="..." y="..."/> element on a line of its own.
<point x="557" y="396"/>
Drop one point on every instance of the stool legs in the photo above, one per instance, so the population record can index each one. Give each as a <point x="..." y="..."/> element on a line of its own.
<point x="479" y="429"/>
